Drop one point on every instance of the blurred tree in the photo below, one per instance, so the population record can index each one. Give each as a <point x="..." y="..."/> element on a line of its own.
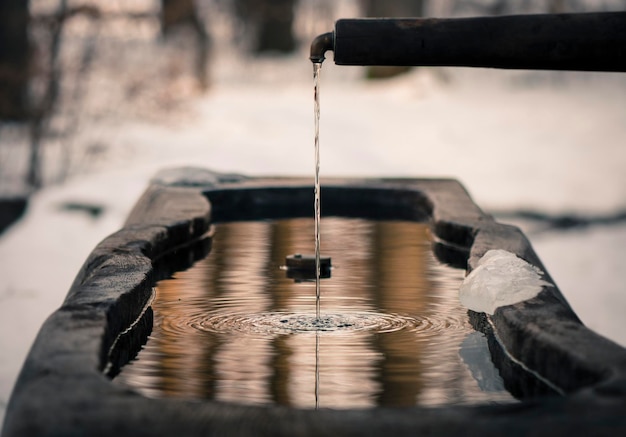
<point x="175" y="13"/>
<point x="183" y="13"/>
<point x="14" y="59"/>
<point x="269" y="23"/>
<point x="391" y="8"/>
<point x="44" y="109"/>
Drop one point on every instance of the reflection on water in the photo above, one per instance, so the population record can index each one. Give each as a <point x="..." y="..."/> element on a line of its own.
<point x="235" y="328"/>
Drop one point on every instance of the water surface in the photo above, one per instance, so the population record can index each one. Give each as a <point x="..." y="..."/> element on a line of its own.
<point x="391" y="330"/>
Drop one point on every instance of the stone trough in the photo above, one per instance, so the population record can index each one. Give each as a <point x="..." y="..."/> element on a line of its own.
<point x="538" y="345"/>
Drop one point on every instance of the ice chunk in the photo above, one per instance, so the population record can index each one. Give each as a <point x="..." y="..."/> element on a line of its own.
<point x="501" y="278"/>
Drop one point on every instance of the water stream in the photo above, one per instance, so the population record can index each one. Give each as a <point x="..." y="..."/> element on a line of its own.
<point x="317" y="69"/>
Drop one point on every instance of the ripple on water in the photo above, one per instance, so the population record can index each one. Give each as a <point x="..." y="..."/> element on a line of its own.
<point x="293" y="323"/>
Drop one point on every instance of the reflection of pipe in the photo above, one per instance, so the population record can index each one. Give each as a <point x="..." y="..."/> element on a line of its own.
<point x="590" y="41"/>
<point x="303" y="267"/>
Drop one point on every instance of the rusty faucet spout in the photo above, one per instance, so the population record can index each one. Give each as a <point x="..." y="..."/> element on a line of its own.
<point x="320" y="45"/>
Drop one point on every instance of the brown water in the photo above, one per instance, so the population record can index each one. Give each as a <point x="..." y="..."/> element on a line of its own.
<point x="392" y="332"/>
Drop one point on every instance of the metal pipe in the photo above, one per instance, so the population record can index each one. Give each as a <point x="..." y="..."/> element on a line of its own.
<point x="589" y="41"/>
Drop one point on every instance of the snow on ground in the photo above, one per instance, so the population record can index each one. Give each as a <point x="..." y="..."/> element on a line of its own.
<point x="553" y="142"/>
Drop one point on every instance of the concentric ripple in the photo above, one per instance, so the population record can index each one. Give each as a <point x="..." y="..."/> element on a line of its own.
<point x="293" y="323"/>
<point x="286" y="323"/>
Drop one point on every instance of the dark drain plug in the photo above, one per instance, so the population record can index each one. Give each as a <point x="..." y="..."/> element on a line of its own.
<point x="302" y="267"/>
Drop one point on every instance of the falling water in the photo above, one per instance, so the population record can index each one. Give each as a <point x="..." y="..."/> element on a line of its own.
<point x="317" y="67"/>
<point x="317" y="369"/>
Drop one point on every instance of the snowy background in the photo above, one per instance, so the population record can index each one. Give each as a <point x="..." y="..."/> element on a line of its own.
<point x="544" y="142"/>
